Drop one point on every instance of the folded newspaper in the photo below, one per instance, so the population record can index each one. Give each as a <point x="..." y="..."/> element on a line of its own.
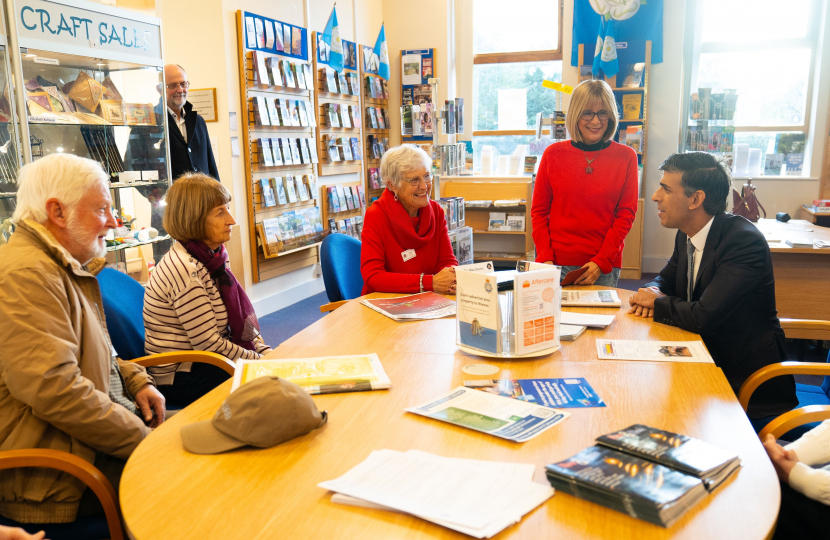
<point x="414" y="307"/>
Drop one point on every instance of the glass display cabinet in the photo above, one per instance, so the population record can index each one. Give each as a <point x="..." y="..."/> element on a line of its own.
<point x="93" y="82"/>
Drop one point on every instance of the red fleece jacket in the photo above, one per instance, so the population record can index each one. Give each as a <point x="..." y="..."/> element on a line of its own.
<point x="389" y="231"/>
<point x="580" y="217"/>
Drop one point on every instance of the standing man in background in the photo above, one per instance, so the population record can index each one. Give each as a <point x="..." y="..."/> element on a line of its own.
<point x="189" y="142"/>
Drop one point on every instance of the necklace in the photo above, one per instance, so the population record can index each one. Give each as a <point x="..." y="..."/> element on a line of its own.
<point x="589" y="169"/>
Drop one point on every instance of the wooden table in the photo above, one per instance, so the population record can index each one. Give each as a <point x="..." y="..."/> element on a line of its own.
<point x="248" y="494"/>
<point x="802" y="275"/>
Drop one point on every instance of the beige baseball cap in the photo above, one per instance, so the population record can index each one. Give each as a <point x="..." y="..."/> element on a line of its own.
<point x="262" y="413"/>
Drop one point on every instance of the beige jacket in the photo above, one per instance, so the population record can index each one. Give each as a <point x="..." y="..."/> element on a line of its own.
<point x="55" y="360"/>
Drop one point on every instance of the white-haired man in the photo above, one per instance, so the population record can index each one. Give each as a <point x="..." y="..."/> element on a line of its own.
<point x="61" y="386"/>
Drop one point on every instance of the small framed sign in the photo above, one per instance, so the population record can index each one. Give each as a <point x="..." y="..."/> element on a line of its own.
<point x="204" y="103"/>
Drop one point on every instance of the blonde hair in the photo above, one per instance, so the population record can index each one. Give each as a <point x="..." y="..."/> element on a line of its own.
<point x="189" y="201"/>
<point x="64" y="177"/>
<point x="583" y="95"/>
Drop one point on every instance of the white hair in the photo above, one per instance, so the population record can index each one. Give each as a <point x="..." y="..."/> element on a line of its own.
<point x="64" y="177"/>
<point x="400" y="160"/>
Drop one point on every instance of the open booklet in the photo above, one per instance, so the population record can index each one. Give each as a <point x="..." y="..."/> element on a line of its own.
<point x="503" y="417"/>
<point x="647" y="473"/>
<point x="322" y="375"/>
<point x="414" y="307"/>
<point x="662" y="351"/>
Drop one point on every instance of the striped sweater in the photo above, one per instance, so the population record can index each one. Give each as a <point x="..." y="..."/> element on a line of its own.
<point x="183" y="311"/>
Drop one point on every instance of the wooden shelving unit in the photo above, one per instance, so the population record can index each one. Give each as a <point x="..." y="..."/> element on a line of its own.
<point x="370" y="162"/>
<point x="322" y="98"/>
<point x="519" y="245"/>
<point x="632" y="256"/>
<point x="255" y="170"/>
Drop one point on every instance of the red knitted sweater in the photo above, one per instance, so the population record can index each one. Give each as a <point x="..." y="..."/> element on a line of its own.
<point x="580" y="217"/>
<point x="388" y="232"/>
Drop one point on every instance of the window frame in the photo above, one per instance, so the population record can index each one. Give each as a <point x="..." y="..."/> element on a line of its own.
<point x="512" y="58"/>
<point x="694" y="48"/>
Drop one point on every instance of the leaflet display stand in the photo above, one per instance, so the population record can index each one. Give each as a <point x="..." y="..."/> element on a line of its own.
<point x="337" y="106"/>
<point x="375" y="139"/>
<point x="273" y="80"/>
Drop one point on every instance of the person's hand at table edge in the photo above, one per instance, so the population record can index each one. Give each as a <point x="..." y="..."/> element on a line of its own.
<point x="590" y="276"/>
<point x="444" y="281"/>
<point x="782" y="459"/>
<point x="642" y="303"/>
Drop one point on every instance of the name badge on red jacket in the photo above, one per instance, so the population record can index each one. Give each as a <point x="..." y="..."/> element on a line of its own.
<point x="408" y="254"/>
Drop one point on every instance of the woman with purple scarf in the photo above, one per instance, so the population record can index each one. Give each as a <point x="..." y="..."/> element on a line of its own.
<point x="193" y="301"/>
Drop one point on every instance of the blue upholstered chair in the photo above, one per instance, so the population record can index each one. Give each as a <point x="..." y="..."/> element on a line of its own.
<point x="123" y="299"/>
<point x="813" y="401"/>
<point x="95" y="527"/>
<point x="340" y="259"/>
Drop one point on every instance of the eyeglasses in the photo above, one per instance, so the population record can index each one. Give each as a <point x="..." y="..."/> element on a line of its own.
<point x="587" y="116"/>
<point x="183" y="85"/>
<point x="415" y="182"/>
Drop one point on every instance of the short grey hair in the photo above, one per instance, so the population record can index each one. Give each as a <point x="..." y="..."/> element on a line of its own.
<point x="400" y="160"/>
<point x="64" y="177"/>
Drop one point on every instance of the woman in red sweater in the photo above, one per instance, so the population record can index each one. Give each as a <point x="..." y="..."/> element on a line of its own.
<point x="406" y="245"/>
<point x="586" y="189"/>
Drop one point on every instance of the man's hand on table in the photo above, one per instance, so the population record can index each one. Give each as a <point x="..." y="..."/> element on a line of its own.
<point x="149" y="400"/>
<point x="642" y="303"/>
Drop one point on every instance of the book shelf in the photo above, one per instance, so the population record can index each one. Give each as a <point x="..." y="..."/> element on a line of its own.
<point x="632" y="256"/>
<point x="299" y="250"/>
<point x="371" y="161"/>
<point x="488" y="245"/>
<point x="326" y="98"/>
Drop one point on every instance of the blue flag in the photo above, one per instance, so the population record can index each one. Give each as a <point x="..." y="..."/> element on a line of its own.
<point x="605" y="53"/>
<point x="331" y="37"/>
<point x="382" y="52"/>
<point x="646" y="24"/>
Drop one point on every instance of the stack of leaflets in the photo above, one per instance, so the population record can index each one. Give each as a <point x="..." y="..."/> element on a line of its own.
<point x="569" y="332"/>
<point x="645" y="472"/>
<point x="324" y="375"/>
<point x="477" y="498"/>
<point x="416" y="307"/>
<point x="572" y="392"/>
<point x="571" y="298"/>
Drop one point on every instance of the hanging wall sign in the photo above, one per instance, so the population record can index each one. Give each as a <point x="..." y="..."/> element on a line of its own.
<point x="67" y="28"/>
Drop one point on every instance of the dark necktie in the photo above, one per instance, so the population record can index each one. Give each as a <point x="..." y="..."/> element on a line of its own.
<point x="690" y="272"/>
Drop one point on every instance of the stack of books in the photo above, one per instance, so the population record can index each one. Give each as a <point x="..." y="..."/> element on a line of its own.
<point x="647" y="473"/>
<point x="819" y="206"/>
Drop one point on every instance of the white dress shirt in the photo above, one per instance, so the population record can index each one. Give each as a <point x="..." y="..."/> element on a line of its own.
<point x="699" y="241"/>
<point x="179" y="122"/>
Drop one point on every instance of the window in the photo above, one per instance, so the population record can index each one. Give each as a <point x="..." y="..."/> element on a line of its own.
<point x="514" y="50"/>
<point x="767" y="61"/>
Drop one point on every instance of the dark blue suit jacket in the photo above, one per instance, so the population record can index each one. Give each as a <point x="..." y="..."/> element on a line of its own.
<point x="732" y="308"/>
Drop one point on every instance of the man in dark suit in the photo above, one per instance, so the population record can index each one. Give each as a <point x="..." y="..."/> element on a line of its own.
<point x="718" y="282"/>
<point x="189" y="143"/>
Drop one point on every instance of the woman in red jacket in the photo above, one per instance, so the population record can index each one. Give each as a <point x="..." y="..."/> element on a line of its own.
<point x="586" y="189"/>
<point x="406" y="246"/>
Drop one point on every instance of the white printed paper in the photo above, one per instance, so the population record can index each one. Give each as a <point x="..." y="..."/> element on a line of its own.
<point x="607" y="298"/>
<point x="536" y="309"/>
<point x="586" y="319"/>
<point x="411" y="69"/>
<point x="662" y="351"/>
<point x="478" y="319"/>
